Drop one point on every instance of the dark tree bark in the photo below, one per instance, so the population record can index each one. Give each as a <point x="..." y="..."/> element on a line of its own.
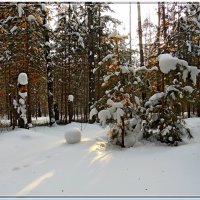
<point x="49" y="70"/>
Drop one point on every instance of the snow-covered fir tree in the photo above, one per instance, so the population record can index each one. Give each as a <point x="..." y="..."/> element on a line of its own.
<point x="164" y="120"/>
<point x="121" y="106"/>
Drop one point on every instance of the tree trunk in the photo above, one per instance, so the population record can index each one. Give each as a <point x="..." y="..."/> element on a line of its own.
<point x="158" y="44"/>
<point x="140" y="35"/>
<point x="91" y="48"/>
<point x="140" y="44"/>
<point x="49" y="70"/>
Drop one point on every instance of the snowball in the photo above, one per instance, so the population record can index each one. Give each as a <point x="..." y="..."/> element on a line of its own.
<point x="93" y="112"/>
<point x="73" y="135"/>
<point x="71" y="98"/>
<point x="167" y="63"/>
<point x="22" y="79"/>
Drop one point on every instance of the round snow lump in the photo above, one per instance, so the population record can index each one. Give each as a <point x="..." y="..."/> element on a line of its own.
<point x="73" y="135"/>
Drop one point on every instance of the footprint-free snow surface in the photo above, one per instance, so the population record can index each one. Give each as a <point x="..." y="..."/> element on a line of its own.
<point x="39" y="162"/>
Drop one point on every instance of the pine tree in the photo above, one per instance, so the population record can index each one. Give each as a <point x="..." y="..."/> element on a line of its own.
<point x="164" y="121"/>
<point x="120" y="107"/>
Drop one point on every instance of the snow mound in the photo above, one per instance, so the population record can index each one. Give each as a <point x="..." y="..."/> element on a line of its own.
<point x="73" y="135"/>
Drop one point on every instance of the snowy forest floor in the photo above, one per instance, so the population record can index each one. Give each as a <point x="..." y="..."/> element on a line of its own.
<point x="39" y="162"/>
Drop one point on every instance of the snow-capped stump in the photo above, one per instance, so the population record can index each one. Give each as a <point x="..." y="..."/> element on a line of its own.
<point x="73" y="135"/>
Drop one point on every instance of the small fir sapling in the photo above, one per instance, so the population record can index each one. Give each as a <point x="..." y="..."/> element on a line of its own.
<point x="115" y="108"/>
<point x="163" y="110"/>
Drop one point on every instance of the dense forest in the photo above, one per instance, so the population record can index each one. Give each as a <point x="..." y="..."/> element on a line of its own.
<point x="84" y="70"/>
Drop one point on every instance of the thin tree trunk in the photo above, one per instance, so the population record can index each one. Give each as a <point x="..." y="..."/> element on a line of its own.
<point x="158" y="44"/>
<point x="140" y="44"/>
<point x="49" y="71"/>
<point x="91" y="48"/>
<point x="130" y="25"/>
<point x="140" y="35"/>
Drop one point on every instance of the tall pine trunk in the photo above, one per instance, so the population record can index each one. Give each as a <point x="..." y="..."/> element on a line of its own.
<point x="140" y="35"/>
<point x="49" y="70"/>
<point x="140" y="44"/>
<point x="158" y="46"/>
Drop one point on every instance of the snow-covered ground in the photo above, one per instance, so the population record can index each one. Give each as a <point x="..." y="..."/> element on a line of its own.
<point x="39" y="162"/>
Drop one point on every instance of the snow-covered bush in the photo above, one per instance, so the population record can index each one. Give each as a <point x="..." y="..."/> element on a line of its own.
<point x="164" y="119"/>
<point x="73" y="135"/>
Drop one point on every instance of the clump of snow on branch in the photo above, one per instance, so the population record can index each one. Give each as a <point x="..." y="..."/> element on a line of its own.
<point x="23" y="94"/>
<point x="103" y="116"/>
<point x="188" y="89"/>
<point x="167" y="63"/>
<point x="193" y="71"/>
<point x="93" y="112"/>
<point x="23" y="79"/>
<point x="20" y="7"/>
<point x="13" y="29"/>
<point x="116" y="35"/>
<point x="154" y="100"/>
<point x="31" y="18"/>
<point x="71" y="98"/>
<point x="15" y="104"/>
